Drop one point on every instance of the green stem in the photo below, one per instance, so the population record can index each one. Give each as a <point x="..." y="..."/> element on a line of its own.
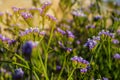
<point x="37" y="78"/>
<point x="109" y="54"/>
<point x="46" y="51"/>
<point x="30" y="65"/>
<point x="15" y="64"/>
<point x="62" y="68"/>
<point x="69" y="78"/>
<point x="45" y="72"/>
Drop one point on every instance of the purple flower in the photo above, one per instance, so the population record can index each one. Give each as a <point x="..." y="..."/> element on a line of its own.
<point x="27" y="49"/>
<point x="90" y="26"/>
<point x="83" y="70"/>
<point x="61" y="31"/>
<point x="78" y="13"/>
<point x="80" y="60"/>
<point x="22" y="33"/>
<point x="116" y="56"/>
<point x="15" y="9"/>
<point x="58" y="68"/>
<point x="78" y="42"/>
<point x="75" y="58"/>
<point x="36" y="30"/>
<point x="65" y="26"/>
<point x="35" y="44"/>
<point x="11" y="41"/>
<point x="45" y="5"/>
<point x="26" y="15"/>
<point x="0" y="36"/>
<point x="51" y="17"/>
<point x="18" y="74"/>
<point x="42" y="33"/>
<point x="3" y="38"/>
<point x="96" y="38"/>
<point x="104" y="78"/>
<point x="70" y="34"/>
<point x="118" y="31"/>
<point x="27" y="31"/>
<point x="103" y="32"/>
<point x="85" y="62"/>
<point x="96" y="18"/>
<point x="61" y="44"/>
<point x="1" y="14"/>
<point x="30" y="30"/>
<point x="68" y="49"/>
<point x="2" y="70"/>
<point x="115" y="41"/>
<point x="90" y="43"/>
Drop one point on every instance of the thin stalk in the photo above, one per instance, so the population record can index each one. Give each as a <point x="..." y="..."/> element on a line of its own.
<point x="30" y="65"/>
<point x="45" y="72"/>
<point x="62" y="68"/>
<point x="18" y="64"/>
<point x="18" y="56"/>
<point x="46" y="51"/>
<point x="69" y="78"/>
<point x="37" y="78"/>
<point x="109" y="54"/>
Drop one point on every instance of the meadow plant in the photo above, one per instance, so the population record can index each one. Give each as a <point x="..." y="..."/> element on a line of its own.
<point x="79" y="46"/>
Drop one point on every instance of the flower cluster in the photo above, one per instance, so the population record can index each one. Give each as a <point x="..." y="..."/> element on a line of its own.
<point x="91" y="43"/>
<point x="15" y="9"/>
<point x="26" y="15"/>
<point x="46" y="4"/>
<point x="44" y="8"/>
<point x="61" y="31"/>
<point x="52" y="18"/>
<point x="83" y="70"/>
<point x="82" y="62"/>
<point x="5" y="39"/>
<point x="78" y="13"/>
<point x="115" y="41"/>
<point x="96" y="38"/>
<point x="79" y="60"/>
<point x="107" y="33"/>
<point x="70" y="34"/>
<point x="65" y="48"/>
<point x="31" y="30"/>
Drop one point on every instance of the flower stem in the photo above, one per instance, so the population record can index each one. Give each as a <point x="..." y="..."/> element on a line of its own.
<point x="30" y="64"/>
<point x="62" y="68"/>
<point x="69" y="78"/>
